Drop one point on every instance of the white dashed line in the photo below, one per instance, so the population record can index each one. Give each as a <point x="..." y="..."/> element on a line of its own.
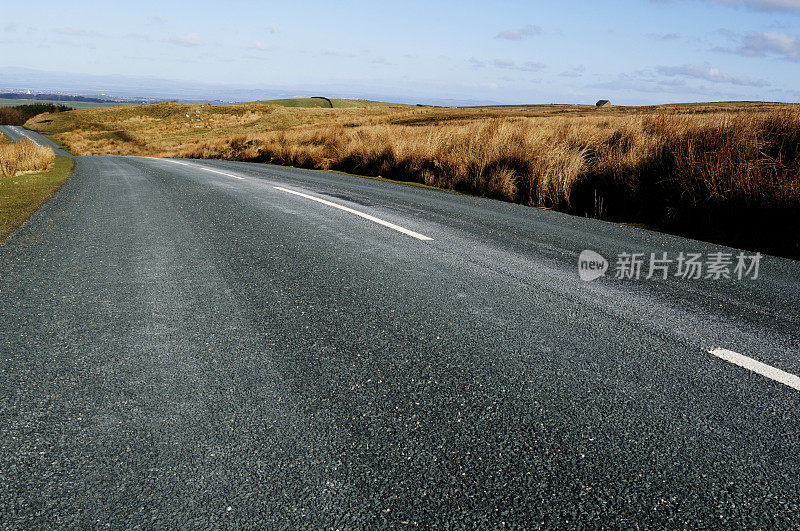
<point x="21" y="132"/>
<point x="379" y="221"/>
<point x="757" y="367"/>
<point x="205" y="169"/>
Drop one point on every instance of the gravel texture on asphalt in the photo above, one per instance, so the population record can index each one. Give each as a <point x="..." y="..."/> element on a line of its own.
<point x="180" y="348"/>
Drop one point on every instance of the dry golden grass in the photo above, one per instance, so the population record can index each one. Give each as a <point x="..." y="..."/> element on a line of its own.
<point x="24" y="156"/>
<point x="726" y="172"/>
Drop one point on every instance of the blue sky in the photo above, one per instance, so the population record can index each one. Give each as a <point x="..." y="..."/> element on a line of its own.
<point x="630" y="51"/>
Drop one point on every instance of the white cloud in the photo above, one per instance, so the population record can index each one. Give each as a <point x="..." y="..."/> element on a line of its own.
<point x="156" y="19"/>
<point x="663" y="36"/>
<point x="709" y="73"/>
<point x="761" y="44"/>
<point x="528" y="66"/>
<point x="766" y="5"/>
<point x="507" y="64"/>
<point x="336" y="53"/>
<point x="637" y="82"/>
<point x="261" y="47"/>
<point x="520" y="33"/>
<point x="578" y="71"/>
<point x="189" y="40"/>
<point x="76" y="32"/>
<point x="755" y="5"/>
<point x="137" y="37"/>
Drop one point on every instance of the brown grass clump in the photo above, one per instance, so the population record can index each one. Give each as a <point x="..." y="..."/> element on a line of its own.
<point x="725" y="172"/>
<point x="24" y="156"/>
<point x="729" y="177"/>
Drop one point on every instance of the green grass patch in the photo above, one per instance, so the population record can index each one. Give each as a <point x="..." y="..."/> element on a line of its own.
<point x="22" y="195"/>
<point x="58" y="142"/>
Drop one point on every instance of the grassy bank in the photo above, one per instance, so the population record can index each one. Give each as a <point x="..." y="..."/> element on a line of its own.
<point x="725" y="173"/>
<point x="20" y="196"/>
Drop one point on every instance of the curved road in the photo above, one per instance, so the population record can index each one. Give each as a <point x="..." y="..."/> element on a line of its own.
<point x="207" y="343"/>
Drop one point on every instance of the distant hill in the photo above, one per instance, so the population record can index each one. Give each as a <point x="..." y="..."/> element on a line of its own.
<point x="52" y="97"/>
<point x="9" y="102"/>
<point x="128" y="88"/>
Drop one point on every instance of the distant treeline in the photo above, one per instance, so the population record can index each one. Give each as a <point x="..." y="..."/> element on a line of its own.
<point x="20" y="114"/>
<point x="56" y="97"/>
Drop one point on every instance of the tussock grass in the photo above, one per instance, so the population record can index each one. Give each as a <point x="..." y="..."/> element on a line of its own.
<point x="24" y="156"/>
<point x="723" y="172"/>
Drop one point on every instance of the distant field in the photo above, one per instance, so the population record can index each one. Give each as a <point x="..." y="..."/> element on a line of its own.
<point x="74" y="104"/>
<point x="724" y="172"/>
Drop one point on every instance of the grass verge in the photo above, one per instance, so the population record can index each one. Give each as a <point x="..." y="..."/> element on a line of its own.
<point x="60" y="144"/>
<point x="22" y="195"/>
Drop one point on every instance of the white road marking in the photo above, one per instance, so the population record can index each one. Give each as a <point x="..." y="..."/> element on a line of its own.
<point x="757" y="367"/>
<point x="204" y="169"/>
<point x="379" y="221"/>
<point x="21" y="132"/>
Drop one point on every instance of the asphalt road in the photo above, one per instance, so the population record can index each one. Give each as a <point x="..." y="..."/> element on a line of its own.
<point x="184" y="347"/>
<point x="16" y="133"/>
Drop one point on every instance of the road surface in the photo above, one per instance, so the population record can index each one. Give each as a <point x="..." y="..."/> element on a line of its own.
<point x="208" y="343"/>
<point x="15" y="133"/>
